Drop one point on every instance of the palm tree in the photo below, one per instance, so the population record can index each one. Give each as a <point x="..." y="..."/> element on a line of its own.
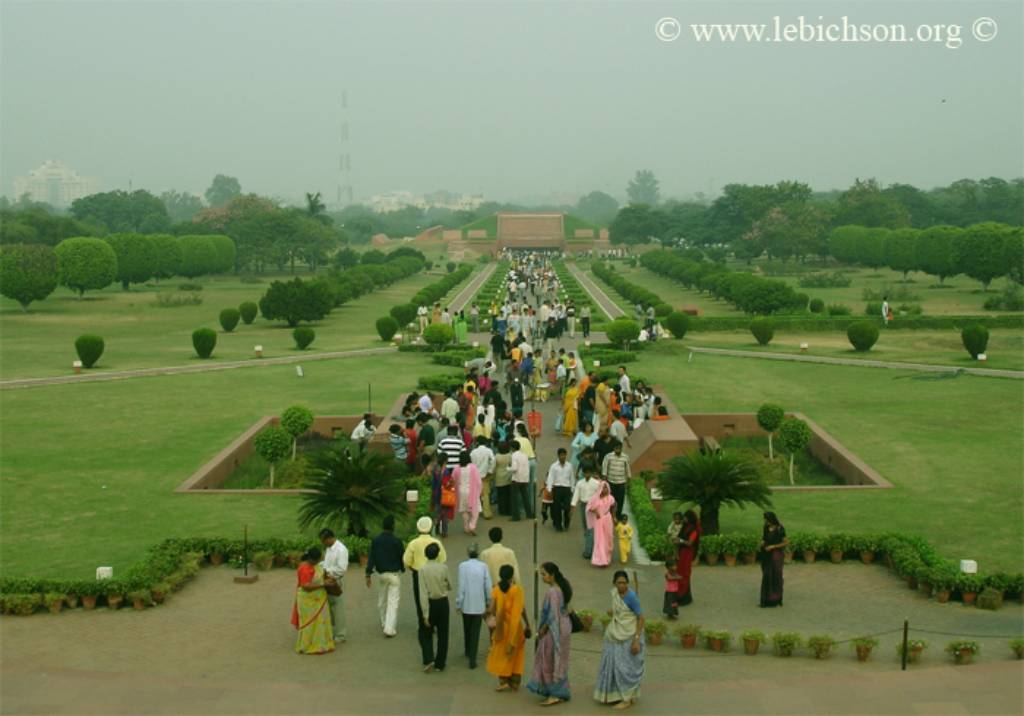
<point x="713" y="480"/>
<point x="351" y="489"/>
<point x="315" y="207"/>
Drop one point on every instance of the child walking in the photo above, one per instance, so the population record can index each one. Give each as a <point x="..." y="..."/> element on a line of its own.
<point x="624" y="532"/>
<point x="671" y="604"/>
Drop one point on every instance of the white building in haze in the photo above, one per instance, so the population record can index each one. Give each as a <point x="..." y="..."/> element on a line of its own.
<point x="56" y="184"/>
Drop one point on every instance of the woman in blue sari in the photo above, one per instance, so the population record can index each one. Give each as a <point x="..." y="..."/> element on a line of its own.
<point x="551" y="658"/>
<point x="622" y="659"/>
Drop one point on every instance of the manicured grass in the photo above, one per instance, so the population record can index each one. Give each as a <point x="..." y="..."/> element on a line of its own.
<point x="89" y="470"/>
<point x="674" y="294"/>
<point x="807" y="469"/>
<point x="952" y="448"/>
<point x="1005" y="346"/>
<point x="140" y="335"/>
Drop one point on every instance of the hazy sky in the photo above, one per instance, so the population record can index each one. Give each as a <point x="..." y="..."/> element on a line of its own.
<point x="509" y="99"/>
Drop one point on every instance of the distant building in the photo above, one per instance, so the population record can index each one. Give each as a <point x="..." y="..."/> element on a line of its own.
<point x="395" y="200"/>
<point x="56" y="184"/>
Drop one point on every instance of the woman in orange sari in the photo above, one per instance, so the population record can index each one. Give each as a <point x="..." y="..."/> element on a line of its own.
<point x="511" y="629"/>
<point x="310" y="614"/>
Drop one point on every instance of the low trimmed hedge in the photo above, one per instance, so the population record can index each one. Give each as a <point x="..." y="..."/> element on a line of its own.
<point x="807" y="322"/>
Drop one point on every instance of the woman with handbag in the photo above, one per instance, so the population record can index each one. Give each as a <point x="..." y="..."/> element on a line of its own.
<point x="510" y="628"/>
<point x="468" y="488"/>
<point x="442" y="495"/>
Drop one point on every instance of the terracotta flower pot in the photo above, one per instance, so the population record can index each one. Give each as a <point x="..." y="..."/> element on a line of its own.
<point x="158" y="596"/>
<point x="963" y="656"/>
<point x="72" y="601"/>
<point x="114" y="602"/>
<point x="942" y="595"/>
<point x="730" y="560"/>
<point x="809" y="556"/>
<point x="969" y="597"/>
<point x="712" y="559"/>
<point x="863" y="652"/>
<point x="55" y="606"/>
<point x="867" y="556"/>
<point x="216" y="558"/>
<point x="89" y="601"/>
<point x="654" y="639"/>
<point x="688" y="640"/>
<point x="914" y="654"/>
<point x="750" y="646"/>
<point x="787" y="557"/>
<point x="925" y="588"/>
<point x="751" y="557"/>
<point x="714" y="643"/>
<point x="139" y="604"/>
<point x="836" y="556"/>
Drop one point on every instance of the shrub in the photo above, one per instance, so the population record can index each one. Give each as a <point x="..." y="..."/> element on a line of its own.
<point x="136" y="257"/>
<point x="199" y="255"/>
<point x="190" y="286"/>
<point x="763" y="330"/>
<point x="204" y="340"/>
<point x="817" y="305"/>
<point x="975" y="339"/>
<point x="248" y="312"/>
<point x="174" y="300"/>
<point x="873" y="308"/>
<point x="825" y="280"/>
<point x="229" y="319"/>
<point x="450" y="266"/>
<point x="622" y="332"/>
<point x="296" y="420"/>
<point x="89" y="349"/>
<point x="404" y="313"/>
<point x="678" y="324"/>
<point x="387" y="327"/>
<point x="167" y="255"/>
<point x="662" y="309"/>
<point x="28" y="272"/>
<point x="273" y="444"/>
<point x="303" y="336"/>
<point x="862" y="335"/>
<point x="786" y="642"/>
<point x="840" y="309"/>
<point x="770" y="417"/>
<point x="438" y="335"/>
<point x="86" y="263"/>
<point x="438" y="382"/>
<point x="296" y="301"/>
<point x="821" y="646"/>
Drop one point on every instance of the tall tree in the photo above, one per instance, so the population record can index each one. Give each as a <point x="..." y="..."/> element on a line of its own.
<point x="636" y="224"/>
<point x="28" y="272"/>
<point x="597" y="207"/>
<point x="864" y="204"/>
<point x="935" y="253"/>
<point x="136" y="257"/>
<point x="316" y="209"/>
<point x="901" y="250"/>
<point x="181" y="206"/>
<point x="643" y="188"/>
<point x="222" y="190"/>
<point x="118" y="211"/>
<point x="979" y="251"/>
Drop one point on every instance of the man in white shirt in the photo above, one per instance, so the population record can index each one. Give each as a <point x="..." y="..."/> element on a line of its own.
<point x="624" y="385"/>
<point x="421" y="314"/>
<point x="450" y="407"/>
<point x="519" y="474"/>
<point x="618" y="429"/>
<point x="363" y="432"/>
<point x="335" y="564"/>
<point x="483" y="457"/>
<point x="559" y="484"/>
<point x="426" y="403"/>
<point x="584" y="490"/>
<point x="446" y="316"/>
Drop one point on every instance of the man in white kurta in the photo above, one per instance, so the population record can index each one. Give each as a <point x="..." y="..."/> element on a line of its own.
<point x="335" y="564"/>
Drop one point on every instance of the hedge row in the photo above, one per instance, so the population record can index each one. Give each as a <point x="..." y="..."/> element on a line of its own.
<point x="841" y="323"/>
<point x="630" y="291"/>
<point x="405" y="313"/>
<point x="574" y="291"/>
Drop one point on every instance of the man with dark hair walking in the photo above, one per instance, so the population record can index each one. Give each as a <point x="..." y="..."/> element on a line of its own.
<point x="386" y="559"/>
<point x="473" y="600"/>
<point x="433" y="602"/>
<point x="335" y="564"/>
<point x="559" y="485"/>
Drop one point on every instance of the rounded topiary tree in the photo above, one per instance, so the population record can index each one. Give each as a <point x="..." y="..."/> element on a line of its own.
<point x="248" y="311"/>
<point x="204" y="340"/>
<point x="862" y="335"/>
<point x="622" y="331"/>
<point x="450" y="266"/>
<point x="86" y="263"/>
<point x="272" y="443"/>
<point x="794" y="434"/>
<point x="816" y="305"/>
<point x="296" y="420"/>
<point x="975" y="339"/>
<point x="387" y="327"/>
<point x="28" y="272"/>
<point x="136" y="257"/>
<point x="662" y="309"/>
<point x="769" y="417"/>
<point x="229" y="319"/>
<point x="89" y="349"/>
<point x="404" y="313"/>
<point x="763" y="330"/>
<point x="678" y="324"/>
<point x="303" y="336"/>
<point x="438" y="335"/>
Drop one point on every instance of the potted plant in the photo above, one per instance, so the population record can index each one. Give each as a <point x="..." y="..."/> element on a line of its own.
<point x="752" y="639"/>
<point x="655" y="630"/>
<point x="140" y="598"/>
<point x="924" y="577"/>
<point x="914" y="649"/>
<point x="943" y="580"/>
<point x="89" y="591"/>
<point x="730" y="548"/>
<point x="785" y="643"/>
<point x="748" y="546"/>
<point x="718" y="640"/>
<point x="216" y="548"/>
<point x="962" y="651"/>
<point x="293" y="556"/>
<point x="863" y="646"/>
<point x="586" y="618"/>
<point x="968" y="585"/>
<point x="605" y="620"/>
<point x="821" y="646"/>
<point x="114" y="592"/>
<point x="160" y="590"/>
<point x="711" y="548"/>
<point x="263" y="560"/>
<point x="688" y="634"/>
<point x="22" y="604"/>
<point x="71" y="594"/>
<point x="866" y="546"/>
<point x="1017" y="645"/>
<point x="1000" y="582"/>
<point x="837" y="545"/>
<point x="54" y="601"/>
<point x="810" y="547"/>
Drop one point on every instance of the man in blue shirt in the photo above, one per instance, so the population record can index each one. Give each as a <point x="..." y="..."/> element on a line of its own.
<point x="473" y="598"/>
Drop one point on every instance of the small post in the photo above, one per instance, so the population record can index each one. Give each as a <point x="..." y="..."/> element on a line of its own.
<point x="369" y="397"/>
<point x="246" y="578"/>
<point x="903" y="651"/>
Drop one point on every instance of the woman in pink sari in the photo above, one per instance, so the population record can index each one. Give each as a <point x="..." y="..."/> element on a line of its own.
<point x="599" y="510"/>
<point x="468" y="486"/>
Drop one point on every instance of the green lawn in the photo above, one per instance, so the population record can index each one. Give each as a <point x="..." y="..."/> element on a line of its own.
<point x="140" y="335"/>
<point x="953" y="449"/>
<point x="674" y="294"/>
<point x="89" y="470"/>
<point x="1005" y="346"/>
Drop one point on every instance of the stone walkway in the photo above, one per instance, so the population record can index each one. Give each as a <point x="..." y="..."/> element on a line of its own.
<point x="221" y="648"/>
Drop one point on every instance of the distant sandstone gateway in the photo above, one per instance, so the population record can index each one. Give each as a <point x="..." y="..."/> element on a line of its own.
<point x="526" y="230"/>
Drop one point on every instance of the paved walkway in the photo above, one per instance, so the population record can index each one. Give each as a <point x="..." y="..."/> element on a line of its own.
<point x="463" y="297"/>
<point x="612" y="309"/>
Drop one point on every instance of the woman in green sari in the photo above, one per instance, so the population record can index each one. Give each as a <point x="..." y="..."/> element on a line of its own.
<point x="310" y="613"/>
<point x="461" y="328"/>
